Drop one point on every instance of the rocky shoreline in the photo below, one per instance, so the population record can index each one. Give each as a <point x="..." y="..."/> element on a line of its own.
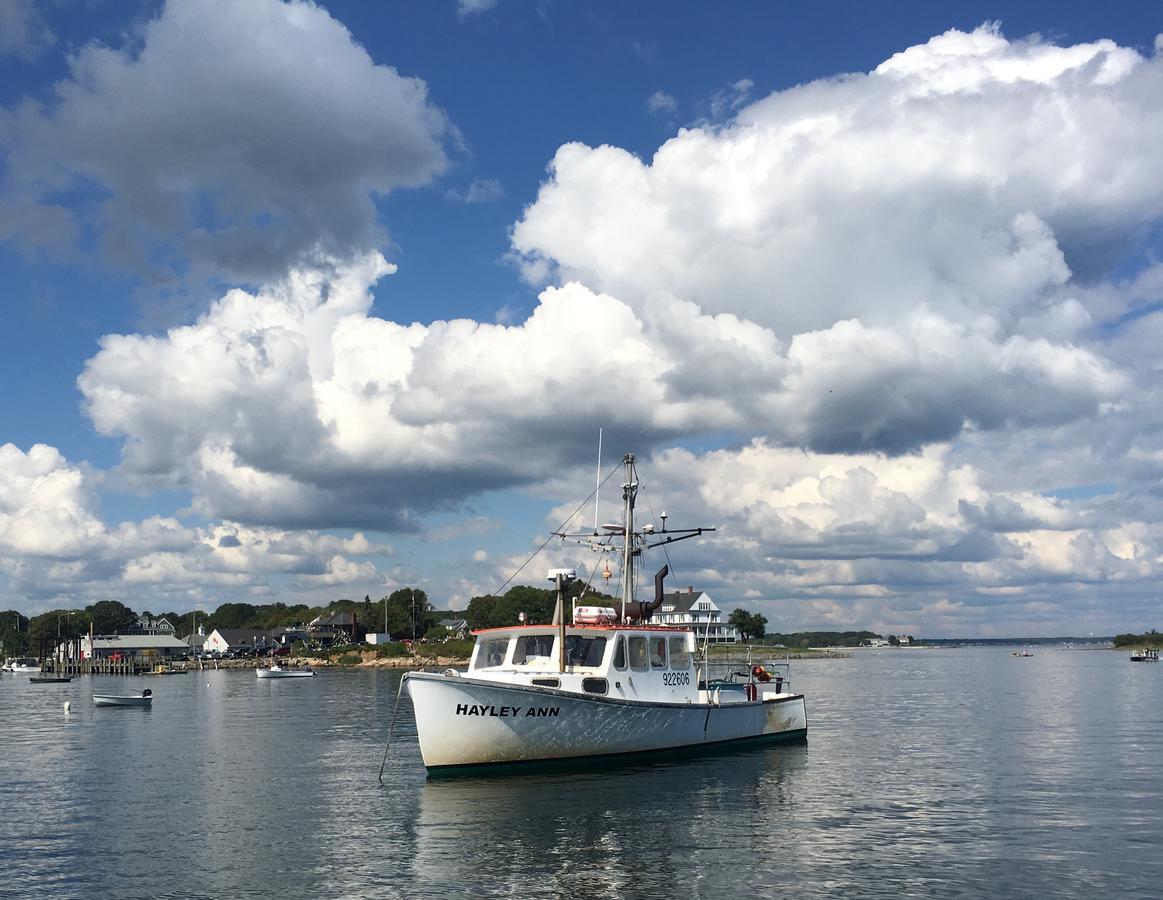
<point x="369" y="660"/>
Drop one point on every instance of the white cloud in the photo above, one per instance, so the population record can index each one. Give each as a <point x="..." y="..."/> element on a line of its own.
<point x="661" y="102"/>
<point x="274" y="157"/>
<point x="918" y="543"/>
<point x="482" y="190"/>
<point x="974" y="184"/>
<point x="55" y="547"/>
<point x="901" y="263"/>
<point x="467" y="8"/>
<point x="46" y="506"/>
<point x="23" y="32"/>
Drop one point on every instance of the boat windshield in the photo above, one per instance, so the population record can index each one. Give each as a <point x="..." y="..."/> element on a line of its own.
<point x="491" y="654"/>
<point x="533" y="648"/>
<point x="584" y="650"/>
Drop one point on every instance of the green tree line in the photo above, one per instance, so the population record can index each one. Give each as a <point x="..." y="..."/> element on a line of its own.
<point x="1151" y="638"/>
<point x="804" y="639"/>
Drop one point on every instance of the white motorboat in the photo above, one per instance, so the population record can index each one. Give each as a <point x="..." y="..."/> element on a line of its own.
<point x="1146" y="655"/>
<point x="22" y="665"/>
<point x="277" y="671"/>
<point x="142" y="698"/>
<point x="608" y="685"/>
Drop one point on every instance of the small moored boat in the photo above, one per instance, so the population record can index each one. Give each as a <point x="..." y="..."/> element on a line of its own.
<point x="609" y="684"/>
<point x="142" y="698"/>
<point x="1145" y="655"/>
<point x="22" y="665"/>
<point x="50" y="679"/>
<point x="277" y="671"/>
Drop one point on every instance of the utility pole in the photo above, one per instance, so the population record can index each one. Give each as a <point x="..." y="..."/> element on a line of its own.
<point x="413" y="590"/>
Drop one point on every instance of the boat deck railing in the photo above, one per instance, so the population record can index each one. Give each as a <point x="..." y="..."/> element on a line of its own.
<point x="729" y="672"/>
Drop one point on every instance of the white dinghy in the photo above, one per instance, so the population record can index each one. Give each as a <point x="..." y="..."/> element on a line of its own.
<point x="277" y="671"/>
<point x="142" y="698"/>
<point x="608" y="685"/>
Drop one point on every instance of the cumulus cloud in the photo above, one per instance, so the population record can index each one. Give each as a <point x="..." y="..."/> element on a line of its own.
<point x="925" y="237"/>
<point x="47" y="508"/>
<point x="912" y="543"/>
<point x="54" y="544"/>
<point x="891" y="291"/>
<point x="296" y="407"/>
<point x="972" y="174"/>
<point x="23" y="32"/>
<point x="227" y="137"/>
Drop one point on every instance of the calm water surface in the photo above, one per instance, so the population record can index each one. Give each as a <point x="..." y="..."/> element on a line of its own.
<point x="950" y="773"/>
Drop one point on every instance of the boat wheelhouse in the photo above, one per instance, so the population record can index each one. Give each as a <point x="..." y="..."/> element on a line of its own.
<point x="601" y="682"/>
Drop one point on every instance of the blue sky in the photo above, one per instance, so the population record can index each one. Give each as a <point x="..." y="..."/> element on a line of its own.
<point x="308" y="301"/>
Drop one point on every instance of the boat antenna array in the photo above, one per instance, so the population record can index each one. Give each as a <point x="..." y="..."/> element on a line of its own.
<point x="634" y="542"/>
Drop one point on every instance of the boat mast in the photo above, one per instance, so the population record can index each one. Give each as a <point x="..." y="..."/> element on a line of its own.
<point x="629" y="493"/>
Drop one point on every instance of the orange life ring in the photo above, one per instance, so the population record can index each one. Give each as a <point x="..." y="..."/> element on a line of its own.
<point x="761" y="674"/>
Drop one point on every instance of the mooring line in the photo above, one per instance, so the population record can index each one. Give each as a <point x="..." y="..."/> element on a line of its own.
<point x="392" y="727"/>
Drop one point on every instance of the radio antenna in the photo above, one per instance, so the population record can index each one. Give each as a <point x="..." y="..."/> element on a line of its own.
<point x="598" y="479"/>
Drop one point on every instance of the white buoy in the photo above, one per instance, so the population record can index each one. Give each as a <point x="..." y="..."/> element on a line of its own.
<point x="67" y="706"/>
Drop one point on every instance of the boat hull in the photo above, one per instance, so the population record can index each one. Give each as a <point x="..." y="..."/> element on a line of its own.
<point x="284" y="673"/>
<point x="112" y="700"/>
<point x="463" y="722"/>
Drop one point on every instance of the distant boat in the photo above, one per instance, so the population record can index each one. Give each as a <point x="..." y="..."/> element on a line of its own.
<point x="22" y="665"/>
<point x="277" y="671"/>
<point x="1023" y="653"/>
<point x="144" y="698"/>
<point x="1147" y="655"/>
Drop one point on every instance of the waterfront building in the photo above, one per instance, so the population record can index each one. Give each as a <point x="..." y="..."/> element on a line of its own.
<point x="130" y="646"/>
<point x="457" y="628"/>
<point x="699" y="613"/>
<point x="147" y="625"/>
<point x="222" y="640"/>
<point x="334" y="628"/>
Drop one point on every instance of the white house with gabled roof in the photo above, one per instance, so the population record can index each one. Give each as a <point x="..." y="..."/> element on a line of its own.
<point x="699" y="613"/>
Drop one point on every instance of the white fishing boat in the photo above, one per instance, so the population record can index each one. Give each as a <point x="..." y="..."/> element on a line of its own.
<point x="607" y="684"/>
<point x="1146" y="655"/>
<point x="277" y="671"/>
<point x="142" y="698"/>
<point x="22" y="665"/>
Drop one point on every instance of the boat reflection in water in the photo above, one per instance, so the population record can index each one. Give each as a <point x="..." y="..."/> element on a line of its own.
<point x="615" y="832"/>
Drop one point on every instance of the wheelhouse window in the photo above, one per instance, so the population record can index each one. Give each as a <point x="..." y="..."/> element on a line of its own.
<point x="491" y="654"/>
<point x="620" y="653"/>
<point x="680" y="659"/>
<point x="583" y="650"/>
<point x="638" y="660"/>
<point x="533" y="648"/>
<point x="658" y="653"/>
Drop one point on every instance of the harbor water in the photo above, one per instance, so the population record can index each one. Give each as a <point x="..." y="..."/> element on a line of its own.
<point x="927" y="773"/>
